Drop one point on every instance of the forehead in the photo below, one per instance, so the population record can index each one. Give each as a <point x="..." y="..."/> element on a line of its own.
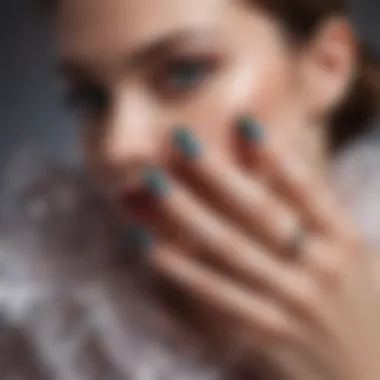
<point x="99" y="26"/>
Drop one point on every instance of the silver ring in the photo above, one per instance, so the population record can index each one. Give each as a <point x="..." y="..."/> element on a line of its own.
<point x="296" y="245"/>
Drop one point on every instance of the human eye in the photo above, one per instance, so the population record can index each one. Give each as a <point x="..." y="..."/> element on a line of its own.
<point x="87" y="100"/>
<point x="181" y="76"/>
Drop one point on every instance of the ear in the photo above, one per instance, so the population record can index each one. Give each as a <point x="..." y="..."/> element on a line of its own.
<point x="329" y="66"/>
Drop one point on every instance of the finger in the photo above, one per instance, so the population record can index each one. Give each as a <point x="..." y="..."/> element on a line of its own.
<point x="258" y="311"/>
<point x="229" y="246"/>
<point x="298" y="365"/>
<point x="247" y="201"/>
<point x="254" y="206"/>
<point x="221" y="293"/>
<point x="275" y="359"/>
<point x="292" y="178"/>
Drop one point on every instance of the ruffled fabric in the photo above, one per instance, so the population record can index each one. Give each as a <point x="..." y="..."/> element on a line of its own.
<point x="74" y="305"/>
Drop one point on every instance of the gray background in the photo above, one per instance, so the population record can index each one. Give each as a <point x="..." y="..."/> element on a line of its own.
<point x="30" y="99"/>
<point x="31" y="107"/>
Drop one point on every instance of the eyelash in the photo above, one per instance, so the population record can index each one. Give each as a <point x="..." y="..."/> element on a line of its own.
<point x="173" y="79"/>
<point x="182" y="76"/>
<point x="88" y="100"/>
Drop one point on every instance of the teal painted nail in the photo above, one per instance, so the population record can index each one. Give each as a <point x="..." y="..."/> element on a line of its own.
<point x="185" y="141"/>
<point x="156" y="183"/>
<point x="250" y="130"/>
<point x="139" y="238"/>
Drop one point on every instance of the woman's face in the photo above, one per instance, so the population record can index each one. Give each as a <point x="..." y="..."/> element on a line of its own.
<point x="136" y="69"/>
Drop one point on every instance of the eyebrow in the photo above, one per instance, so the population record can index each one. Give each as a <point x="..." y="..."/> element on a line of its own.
<point x="164" y="45"/>
<point x="159" y="47"/>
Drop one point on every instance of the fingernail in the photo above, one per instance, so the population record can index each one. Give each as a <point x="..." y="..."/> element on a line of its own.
<point x="156" y="182"/>
<point x="139" y="238"/>
<point x="250" y="130"/>
<point x="185" y="141"/>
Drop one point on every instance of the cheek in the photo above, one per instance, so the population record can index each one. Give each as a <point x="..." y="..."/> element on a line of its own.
<point x="259" y="89"/>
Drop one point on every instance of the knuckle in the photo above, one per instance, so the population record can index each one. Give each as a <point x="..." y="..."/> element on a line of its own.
<point x="305" y="292"/>
<point x="327" y="262"/>
<point x="279" y="327"/>
<point x="288" y="225"/>
<point x="273" y="320"/>
<point x="333" y="273"/>
<point x="309" y="297"/>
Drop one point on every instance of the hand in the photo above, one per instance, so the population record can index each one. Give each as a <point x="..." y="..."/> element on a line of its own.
<point x="278" y="255"/>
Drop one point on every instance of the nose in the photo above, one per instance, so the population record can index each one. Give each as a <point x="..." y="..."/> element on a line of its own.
<point x="129" y="137"/>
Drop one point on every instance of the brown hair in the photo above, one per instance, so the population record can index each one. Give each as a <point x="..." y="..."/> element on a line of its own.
<point x="301" y="18"/>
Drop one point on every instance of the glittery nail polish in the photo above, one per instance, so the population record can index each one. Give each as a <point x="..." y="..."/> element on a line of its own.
<point x="187" y="144"/>
<point x="156" y="183"/>
<point x="250" y="130"/>
<point x="139" y="238"/>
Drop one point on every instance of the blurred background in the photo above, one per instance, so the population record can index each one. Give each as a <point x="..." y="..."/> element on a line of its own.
<point x="32" y="112"/>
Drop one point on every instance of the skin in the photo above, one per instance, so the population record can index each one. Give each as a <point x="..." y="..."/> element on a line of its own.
<point x="264" y="80"/>
<point x="310" y="313"/>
